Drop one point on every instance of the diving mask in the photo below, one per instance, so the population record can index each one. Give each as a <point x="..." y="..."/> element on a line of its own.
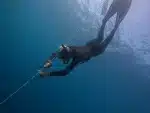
<point x="64" y="53"/>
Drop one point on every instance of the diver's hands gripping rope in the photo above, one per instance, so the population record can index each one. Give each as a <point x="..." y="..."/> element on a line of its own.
<point x="47" y="64"/>
<point x="63" y="49"/>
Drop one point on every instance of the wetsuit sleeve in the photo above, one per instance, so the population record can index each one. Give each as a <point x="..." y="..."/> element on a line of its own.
<point x="66" y="71"/>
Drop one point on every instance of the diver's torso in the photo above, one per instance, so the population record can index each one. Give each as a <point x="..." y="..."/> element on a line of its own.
<point x="84" y="53"/>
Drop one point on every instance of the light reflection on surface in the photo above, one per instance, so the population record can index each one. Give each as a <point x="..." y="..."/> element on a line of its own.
<point x="133" y="34"/>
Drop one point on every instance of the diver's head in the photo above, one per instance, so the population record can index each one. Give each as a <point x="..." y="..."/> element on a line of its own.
<point x="64" y="53"/>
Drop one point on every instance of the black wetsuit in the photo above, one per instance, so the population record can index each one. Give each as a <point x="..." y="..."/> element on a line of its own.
<point x="84" y="53"/>
<point x="96" y="46"/>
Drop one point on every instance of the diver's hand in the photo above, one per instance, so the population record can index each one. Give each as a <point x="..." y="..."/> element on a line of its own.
<point x="43" y="74"/>
<point x="48" y="64"/>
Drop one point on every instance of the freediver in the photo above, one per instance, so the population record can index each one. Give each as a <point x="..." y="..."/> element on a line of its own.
<point x="80" y="54"/>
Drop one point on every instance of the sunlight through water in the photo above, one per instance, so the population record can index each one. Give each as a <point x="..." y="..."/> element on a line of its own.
<point x="129" y="38"/>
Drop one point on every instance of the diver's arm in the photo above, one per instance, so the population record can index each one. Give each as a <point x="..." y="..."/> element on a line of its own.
<point x="66" y="71"/>
<point x="63" y="72"/>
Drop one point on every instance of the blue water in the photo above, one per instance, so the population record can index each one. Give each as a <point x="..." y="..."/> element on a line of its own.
<point x="110" y="83"/>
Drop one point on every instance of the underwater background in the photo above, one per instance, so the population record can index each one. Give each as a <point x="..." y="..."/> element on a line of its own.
<point x="116" y="82"/>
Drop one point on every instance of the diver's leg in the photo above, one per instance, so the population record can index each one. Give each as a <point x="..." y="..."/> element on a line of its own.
<point x="100" y="35"/>
<point x="121" y="13"/>
<point x="119" y="18"/>
<point x="105" y="43"/>
<point x="111" y="11"/>
<point x="100" y="48"/>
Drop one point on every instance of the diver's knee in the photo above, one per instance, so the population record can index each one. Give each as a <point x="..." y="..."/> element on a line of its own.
<point x="113" y="32"/>
<point x="104" y="21"/>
